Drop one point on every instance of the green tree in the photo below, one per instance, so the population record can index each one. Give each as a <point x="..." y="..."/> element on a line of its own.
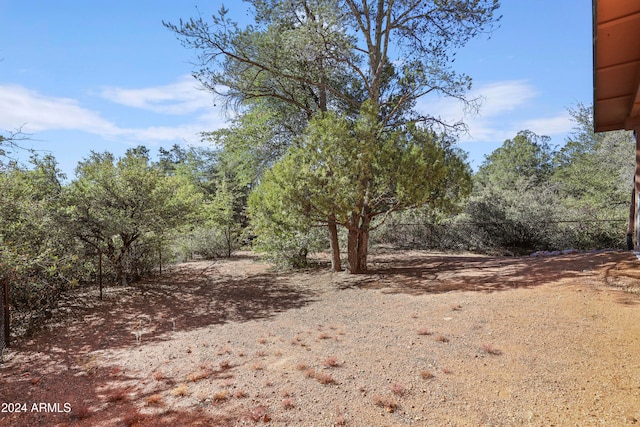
<point x="10" y="142"/>
<point x="529" y="197"/>
<point x="327" y="54"/>
<point x="198" y="165"/>
<point x="356" y="174"/>
<point x="286" y="235"/>
<point x="594" y="176"/>
<point x="595" y="171"/>
<point x="252" y="144"/>
<point x="222" y="213"/>
<point x="223" y="181"/>
<point x="514" y="205"/>
<point x="346" y="56"/>
<point x="37" y="256"/>
<point x="115" y="204"/>
<point x="526" y="157"/>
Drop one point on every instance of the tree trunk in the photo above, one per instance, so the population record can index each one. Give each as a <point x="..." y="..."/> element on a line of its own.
<point x="358" y="243"/>
<point x="336" y="264"/>
<point x="352" y="251"/>
<point x="228" y="235"/>
<point x="117" y="261"/>
<point x="100" y="273"/>
<point x="363" y="248"/>
<point x="358" y="251"/>
<point x="117" y="258"/>
<point x="632" y="218"/>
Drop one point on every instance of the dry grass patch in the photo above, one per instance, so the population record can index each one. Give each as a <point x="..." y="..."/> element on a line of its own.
<point x="398" y="389"/>
<point x="255" y="414"/>
<point x="117" y="396"/>
<point x="490" y="349"/>
<point x="180" y="390"/>
<point x="220" y="396"/>
<point x="133" y="417"/>
<point x="202" y="374"/>
<point x="331" y="362"/>
<point x="442" y="338"/>
<point x="385" y="402"/>
<point x="82" y="412"/>
<point x="426" y="375"/>
<point x="324" y="378"/>
<point x="321" y="377"/>
<point x="154" y="400"/>
<point x="324" y="336"/>
<point x="288" y="403"/>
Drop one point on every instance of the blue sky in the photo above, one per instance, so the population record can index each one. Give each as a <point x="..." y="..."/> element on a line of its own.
<point x="97" y="75"/>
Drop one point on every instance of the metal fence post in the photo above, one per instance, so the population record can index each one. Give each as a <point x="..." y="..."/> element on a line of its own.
<point x="5" y="312"/>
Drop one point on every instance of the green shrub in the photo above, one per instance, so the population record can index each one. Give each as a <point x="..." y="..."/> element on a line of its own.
<point x="289" y="250"/>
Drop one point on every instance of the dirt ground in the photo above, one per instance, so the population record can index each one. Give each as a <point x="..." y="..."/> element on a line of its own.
<point x="423" y="339"/>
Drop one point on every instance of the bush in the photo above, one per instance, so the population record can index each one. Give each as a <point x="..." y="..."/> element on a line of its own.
<point x="289" y="250"/>
<point x="35" y="283"/>
<point x="518" y="224"/>
<point x="207" y="242"/>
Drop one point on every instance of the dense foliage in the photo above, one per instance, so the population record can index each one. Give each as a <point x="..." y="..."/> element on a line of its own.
<point x="368" y="64"/>
<point x="132" y="212"/>
<point x="355" y="175"/>
<point x="529" y="196"/>
<point x="36" y="254"/>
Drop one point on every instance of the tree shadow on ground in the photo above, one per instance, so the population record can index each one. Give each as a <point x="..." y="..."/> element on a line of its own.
<point x="88" y="395"/>
<point x="59" y="366"/>
<point x="624" y="276"/>
<point x="437" y="273"/>
<point x="46" y="367"/>
<point x="183" y="300"/>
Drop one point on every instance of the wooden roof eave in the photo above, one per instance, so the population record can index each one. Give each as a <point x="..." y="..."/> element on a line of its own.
<point x="616" y="68"/>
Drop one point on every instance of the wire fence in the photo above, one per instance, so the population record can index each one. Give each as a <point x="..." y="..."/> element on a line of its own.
<point x="4" y="317"/>
<point x="509" y="237"/>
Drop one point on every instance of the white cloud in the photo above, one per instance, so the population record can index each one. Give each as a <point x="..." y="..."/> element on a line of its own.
<point x="561" y="123"/>
<point x="186" y="96"/>
<point x="503" y="104"/>
<point x="189" y="133"/>
<point x="35" y="112"/>
<point x="506" y="109"/>
<point x="500" y="97"/>
<point x="494" y="98"/>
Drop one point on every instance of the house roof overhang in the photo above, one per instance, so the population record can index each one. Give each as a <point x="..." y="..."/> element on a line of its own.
<point x="616" y="67"/>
